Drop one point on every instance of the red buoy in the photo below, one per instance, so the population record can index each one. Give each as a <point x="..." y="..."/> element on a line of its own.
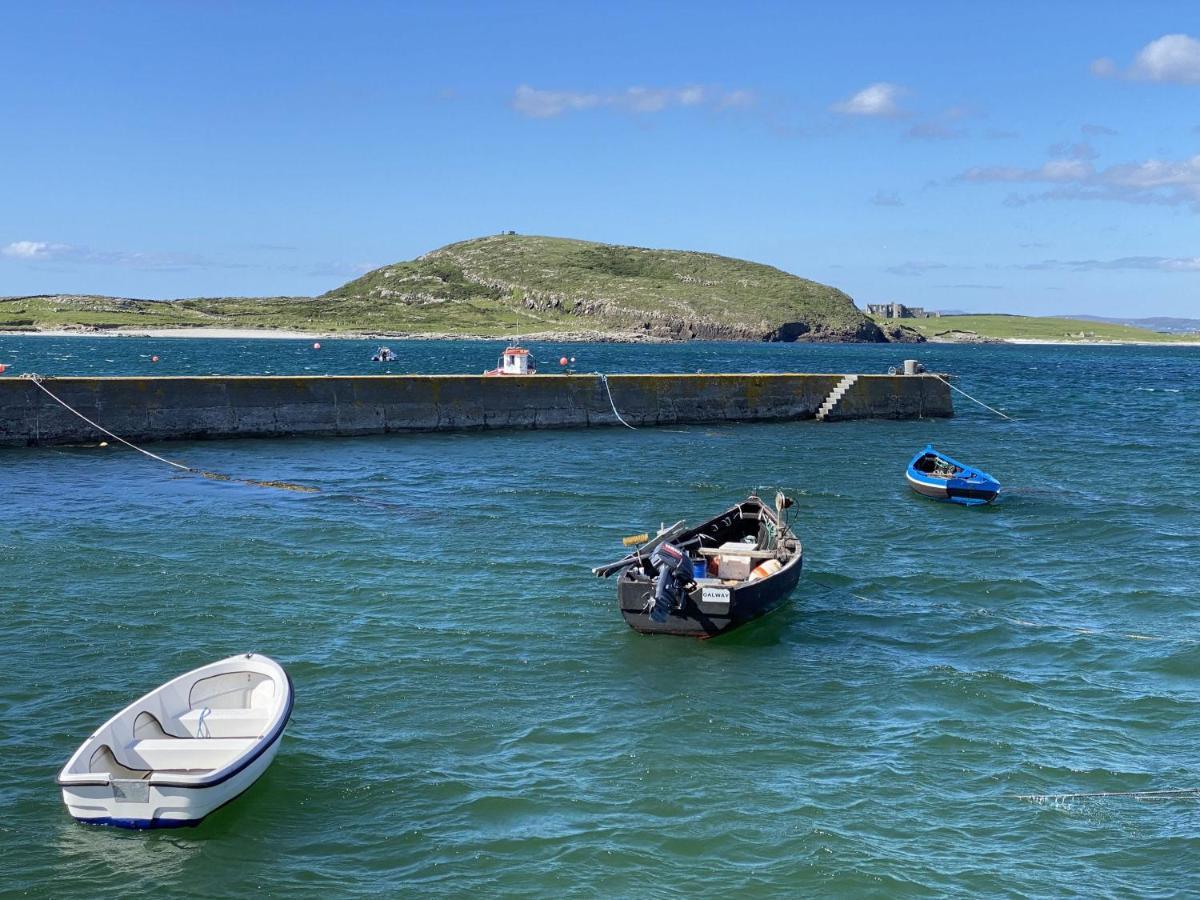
<point x="3" y="366"/>
<point x="563" y="361"/>
<point x="154" y="359"/>
<point x="316" y="345"/>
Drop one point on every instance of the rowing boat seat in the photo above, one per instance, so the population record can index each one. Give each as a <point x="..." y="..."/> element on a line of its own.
<point x="225" y="723"/>
<point x="196" y="755"/>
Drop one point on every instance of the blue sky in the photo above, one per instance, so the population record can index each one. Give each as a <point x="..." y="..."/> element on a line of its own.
<point x="1023" y="157"/>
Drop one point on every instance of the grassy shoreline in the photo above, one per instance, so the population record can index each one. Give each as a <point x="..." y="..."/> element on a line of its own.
<point x="1034" y="329"/>
<point x="205" y="333"/>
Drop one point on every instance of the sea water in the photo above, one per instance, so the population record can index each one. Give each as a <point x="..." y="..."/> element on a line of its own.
<point x="472" y="715"/>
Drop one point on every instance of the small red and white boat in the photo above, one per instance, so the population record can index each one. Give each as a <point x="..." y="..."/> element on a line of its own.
<point x="513" y="361"/>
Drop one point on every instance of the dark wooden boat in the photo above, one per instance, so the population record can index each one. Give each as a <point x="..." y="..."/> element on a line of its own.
<point x="752" y="542"/>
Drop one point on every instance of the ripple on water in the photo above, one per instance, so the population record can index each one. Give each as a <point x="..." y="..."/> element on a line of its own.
<point x="472" y="716"/>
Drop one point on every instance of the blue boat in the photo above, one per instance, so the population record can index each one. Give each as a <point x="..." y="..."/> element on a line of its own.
<point x="936" y="475"/>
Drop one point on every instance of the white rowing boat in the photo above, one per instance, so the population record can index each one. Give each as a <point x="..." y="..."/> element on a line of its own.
<point x="184" y="749"/>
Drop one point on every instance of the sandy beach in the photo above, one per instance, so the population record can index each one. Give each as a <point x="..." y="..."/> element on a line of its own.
<point x="573" y="337"/>
<point x="234" y="333"/>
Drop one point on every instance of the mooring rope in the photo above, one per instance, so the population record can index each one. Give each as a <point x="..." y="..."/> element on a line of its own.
<point x="604" y="378"/>
<point x="37" y="380"/>
<point x="191" y="470"/>
<point x="969" y="397"/>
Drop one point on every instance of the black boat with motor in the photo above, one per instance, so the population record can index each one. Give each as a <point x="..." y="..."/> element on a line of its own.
<point x="708" y="580"/>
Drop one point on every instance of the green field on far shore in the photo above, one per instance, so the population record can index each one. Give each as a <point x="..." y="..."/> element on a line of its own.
<point x="1032" y="328"/>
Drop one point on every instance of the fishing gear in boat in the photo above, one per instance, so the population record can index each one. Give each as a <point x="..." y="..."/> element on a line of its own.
<point x="716" y="576"/>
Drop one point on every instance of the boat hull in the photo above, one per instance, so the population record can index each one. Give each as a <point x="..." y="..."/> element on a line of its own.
<point x="747" y="602"/>
<point x="143" y="805"/>
<point x="964" y="495"/>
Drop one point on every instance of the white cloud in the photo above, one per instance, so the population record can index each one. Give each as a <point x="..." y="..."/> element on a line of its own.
<point x="1172" y="58"/>
<point x="1157" y="173"/>
<point x="886" y="198"/>
<point x="880" y="99"/>
<point x="537" y="104"/>
<point x="1077" y="150"/>
<point x="45" y="251"/>
<point x="934" y="131"/>
<point x="915" y="267"/>
<point x="1154" y="181"/>
<point x="33" y="250"/>
<point x="1053" y="170"/>
<point x="1155" y="263"/>
<point x="542" y="104"/>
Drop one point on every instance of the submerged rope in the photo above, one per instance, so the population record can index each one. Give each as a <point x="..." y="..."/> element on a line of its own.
<point x="969" y="397"/>
<point x="604" y="378"/>
<point x="191" y="470"/>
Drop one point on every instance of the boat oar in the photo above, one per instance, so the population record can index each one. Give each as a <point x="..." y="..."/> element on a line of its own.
<point x="665" y="535"/>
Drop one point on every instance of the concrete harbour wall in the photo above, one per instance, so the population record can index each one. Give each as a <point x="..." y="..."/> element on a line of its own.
<point x="148" y="409"/>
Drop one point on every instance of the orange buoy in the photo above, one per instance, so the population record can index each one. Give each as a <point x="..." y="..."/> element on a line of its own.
<point x="3" y="366"/>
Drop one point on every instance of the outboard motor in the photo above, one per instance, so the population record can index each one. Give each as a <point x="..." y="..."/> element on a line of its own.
<point x="674" y="572"/>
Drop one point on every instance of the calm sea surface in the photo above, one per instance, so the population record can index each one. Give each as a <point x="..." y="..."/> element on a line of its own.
<point x="473" y="716"/>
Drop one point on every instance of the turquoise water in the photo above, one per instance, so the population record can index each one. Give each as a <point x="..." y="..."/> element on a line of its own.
<point x="472" y="714"/>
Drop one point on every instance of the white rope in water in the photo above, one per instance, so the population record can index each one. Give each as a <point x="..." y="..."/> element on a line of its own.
<point x="191" y="470"/>
<point x="604" y="379"/>
<point x="37" y="380"/>
<point x="969" y="397"/>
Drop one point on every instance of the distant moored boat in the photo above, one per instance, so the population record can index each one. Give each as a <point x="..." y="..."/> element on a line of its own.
<point x="513" y="361"/>
<point x="935" y="475"/>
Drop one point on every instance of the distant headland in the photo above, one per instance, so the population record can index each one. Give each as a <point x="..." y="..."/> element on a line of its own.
<point x="511" y="285"/>
<point x="506" y="285"/>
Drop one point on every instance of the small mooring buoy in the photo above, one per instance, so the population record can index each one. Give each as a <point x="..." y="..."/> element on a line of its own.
<point x="154" y="359"/>
<point x="316" y="345"/>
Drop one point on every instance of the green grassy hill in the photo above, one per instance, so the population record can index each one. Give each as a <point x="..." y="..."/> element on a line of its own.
<point x="542" y="283"/>
<point x="515" y="284"/>
<point x="1036" y="328"/>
